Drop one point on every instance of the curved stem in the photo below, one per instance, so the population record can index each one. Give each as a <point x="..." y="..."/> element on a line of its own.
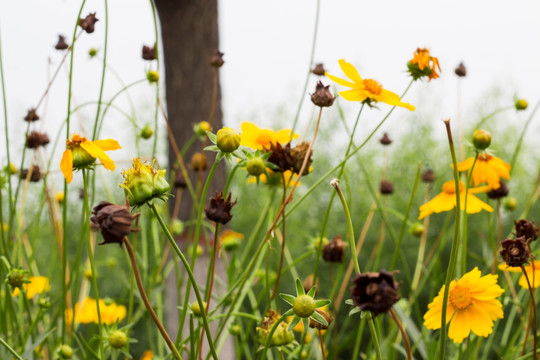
<point x="146" y="302"/>
<point x="350" y="228"/>
<point x="156" y="44"/>
<point x="376" y="344"/>
<point x="403" y="333"/>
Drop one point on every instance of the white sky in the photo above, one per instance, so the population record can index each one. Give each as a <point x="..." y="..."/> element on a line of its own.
<point x="267" y="46"/>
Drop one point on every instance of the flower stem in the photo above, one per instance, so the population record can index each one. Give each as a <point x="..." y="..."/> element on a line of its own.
<point x="533" y="307"/>
<point x="375" y="338"/>
<point x="455" y="242"/>
<point x="465" y="231"/>
<point x="191" y="278"/>
<point x="145" y="300"/>
<point x="403" y="333"/>
<point x="103" y="69"/>
<point x="10" y="349"/>
<point x="278" y="276"/>
<point x="521" y="136"/>
<point x="321" y="342"/>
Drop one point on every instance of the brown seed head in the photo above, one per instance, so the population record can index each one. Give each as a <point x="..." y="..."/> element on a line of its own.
<point x="375" y="292"/>
<point x="36" y="139"/>
<point x="281" y="157"/>
<point x="385" y="140"/>
<point x="428" y="176"/>
<point x="180" y="181"/>
<point x="35" y="176"/>
<point x="334" y="251"/>
<point x="113" y="221"/>
<point x="216" y="60"/>
<point x="387" y="187"/>
<point x="500" y="192"/>
<point x="219" y="209"/>
<point x="199" y="162"/>
<point x="515" y="252"/>
<point x="298" y="153"/>
<point x="317" y="325"/>
<point x="149" y="53"/>
<point x="461" y="71"/>
<point x="31" y="115"/>
<point x="322" y="96"/>
<point x="61" y="44"/>
<point x="318" y="70"/>
<point x="527" y="229"/>
<point x="87" y="24"/>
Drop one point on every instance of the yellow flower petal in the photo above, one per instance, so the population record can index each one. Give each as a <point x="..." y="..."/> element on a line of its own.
<point x="354" y="95"/>
<point x="66" y="165"/>
<point x="97" y="152"/>
<point x="350" y="71"/>
<point x="340" y="81"/>
<point x="107" y="144"/>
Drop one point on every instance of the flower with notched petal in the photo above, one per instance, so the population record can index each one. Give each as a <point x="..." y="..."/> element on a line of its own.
<point x="219" y="209"/>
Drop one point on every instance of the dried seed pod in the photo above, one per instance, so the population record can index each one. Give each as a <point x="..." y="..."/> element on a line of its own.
<point x="461" y="70"/>
<point x="216" y="60"/>
<point x="87" y="24"/>
<point x="113" y="221"/>
<point x="31" y="115"/>
<point x="515" y="252"/>
<point x="428" y="176"/>
<point x="385" y="140"/>
<point x="500" y="192"/>
<point x="375" y="292"/>
<point x="219" y="209"/>
<point x="387" y="187"/>
<point x="149" y="53"/>
<point x="61" y="44"/>
<point x="35" y="176"/>
<point x="322" y="96"/>
<point x="334" y="251"/>
<point x="36" y="139"/>
<point x="527" y="229"/>
<point x="298" y="153"/>
<point x="318" y="70"/>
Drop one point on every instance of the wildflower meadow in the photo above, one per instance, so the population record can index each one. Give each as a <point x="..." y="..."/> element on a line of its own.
<point x="345" y="228"/>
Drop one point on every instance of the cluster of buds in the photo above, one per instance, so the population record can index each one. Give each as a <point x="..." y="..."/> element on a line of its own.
<point x="142" y="183"/>
<point x="375" y="292"/>
<point x="517" y="252"/>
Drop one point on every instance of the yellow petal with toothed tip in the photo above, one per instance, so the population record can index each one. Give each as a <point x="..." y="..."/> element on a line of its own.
<point x="341" y="81"/>
<point x="96" y="152"/>
<point x="66" y="165"/>
<point x="107" y="144"/>
<point x="350" y="71"/>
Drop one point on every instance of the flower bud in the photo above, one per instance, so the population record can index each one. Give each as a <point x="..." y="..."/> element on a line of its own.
<point x="147" y="132"/>
<point x="65" y="352"/>
<point x="334" y="251"/>
<point x="17" y="277"/>
<point x="318" y="70"/>
<point x="481" y="139"/>
<point x="199" y="162"/>
<point x="118" y="339"/>
<point x="428" y="176"/>
<point x="322" y="96"/>
<point x="59" y="197"/>
<point x="228" y="140"/>
<point x="177" y="227"/>
<point x="152" y="76"/>
<point x="196" y="308"/>
<point x="317" y="325"/>
<point x="87" y="273"/>
<point x="142" y="183"/>
<point x="461" y="70"/>
<point x="281" y="336"/>
<point x="521" y="104"/>
<point x="44" y="302"/>
<point x="304" y="306"/>
<point x="417" y="229"/>
<point x="198" y="252"/>
<point x="113" y="221"/>
<point x="11" y="169"/>
<point x="81" y="158"/>
<point x="201" y="128"/>
<point x="235" y="330"/>
<point x="255" y="166"/>
<point x="230" y="240"/>
<point x="92" y="52"/>
<point x="510" y="203"/>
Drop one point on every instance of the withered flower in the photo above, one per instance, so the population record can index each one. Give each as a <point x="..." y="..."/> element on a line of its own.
<point x="216" y="60"/>
<point x="35" y="176"/>
<point x="36" y="139"/>
<point x="113" y="221"/>
<point x="428" y="176"/>
<point x="87" y="24"/>
<point x="199" y="162"/>
<point x="334" y="251"/>
<point x="318" y="70"/>
<point x="375" y="292"/>
<point x="516" y="252"/>
<point x="31" y="115"/>
<point x="461" y="70"/>
<point x="179" y="181"/>
<point x="149" y="53"/>
<point x="385" y="140"/>
<point x="317" y="325"/>
<point x="387" y="187"/>
<point x="281" y="156"/>
<point x="219" y="209"/>
<point x="322" y="96"/>
<point x="527" y="229"/>
<point x="499" y="192"/>
<point x="298" y="153"/>
<point x="61" y="44"/>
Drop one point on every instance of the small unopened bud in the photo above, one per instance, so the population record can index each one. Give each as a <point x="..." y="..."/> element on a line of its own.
<point x="417" y="229"/>
<point x="177" y="227"/>
<point x="61" y="44"/>
<point x="255" y="166"/>
<point x="216" y="60"/>
<point x="147" y="132"/>
<point x="87" y="24"/>
<point x="510" y="203"/>
<point x="318" y="70"/>
<point x="317" y="325"/>
<point x="461" y="70"/>
<point x="179" y="181"/>
<point x="235" y="330"/>
<point x="196" y="308"/>
<point x="118" y="339"/>
<point x="228" y="139"/>
<point x="92" y="52"/>
<point x="521" y="104"/>
<point x="59" y="197"/>
<point x="11" y="169"/>
<point x="387" y="187"/>
<point x="199" y="162"/>
<point x="17" y="277"/>
<point x="304" y="306"/>
<point x="322" y="96"/>
<point x="152" y="76"/>
<point x="44" y="302"/>
<point x="65" y="352"/>
<point x="481" y="139"/>
<point x="201" y="128"/>
<point x="385" y="140"/>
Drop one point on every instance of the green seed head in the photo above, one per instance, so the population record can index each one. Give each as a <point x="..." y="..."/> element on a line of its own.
<point x="152" y="76"/>
<point x="304" y="306"/>
<point x="510" y="203"/>
<point x="255" y="166"/>
<point x="118" y="339"/>
<point x="147" y="132"/>
<point x="481" y="139"/>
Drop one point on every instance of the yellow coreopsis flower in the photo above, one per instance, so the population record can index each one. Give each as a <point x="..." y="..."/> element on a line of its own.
<point x="86" y="312"/>
<point x="365" y="90"/>
<point x="258" y="139"/>
<point x="472" y="306"/>
<point x="423" y="64"/>
<point x="81" y="153"/>
<point x="533" y="273"/>
<point x="111" y="312"/>
<point x="488" y="169"/>
<point x="37" y="285"/>
<point x="446" y="200"/>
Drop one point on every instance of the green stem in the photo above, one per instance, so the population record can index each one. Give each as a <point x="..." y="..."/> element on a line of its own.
<point x="455" y="242"/>
<point x="10" y="349"/>
<point x="350" y="228"/>
<point x="374" y="336"/>
<point x="156" y="44"/>
<point x="191" y="279"/>
<point x="465" y="232"/>
<point x="487" y="117"/>
<point x="533" y="307"/>
<point x="103" y="70"/>
<point x="522" y="135"/>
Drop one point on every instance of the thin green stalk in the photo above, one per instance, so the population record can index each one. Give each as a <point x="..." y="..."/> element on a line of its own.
<point x="350" y="228"/>
<point x="487" y="117"/>
<point x="314" y="42"/>
<point x="92" y="264"/>
<point x="522" y="135"/>
<point x="455" y="242"/>
<point x="6" y="133"/>
<point x="154" y="18"/>
<point x="10" y="349"/>
<point x="465" y="231"/>
<point x="196" y="239"/>
<point x="191" y="279"/>
<point x="103" y="70"/>
<point x="374" y="337"/>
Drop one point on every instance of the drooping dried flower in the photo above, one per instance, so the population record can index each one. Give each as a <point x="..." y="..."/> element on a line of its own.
<point x="219" y="209"/>
<point x="375" y="292"/>
<point x="113" y="221"/>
